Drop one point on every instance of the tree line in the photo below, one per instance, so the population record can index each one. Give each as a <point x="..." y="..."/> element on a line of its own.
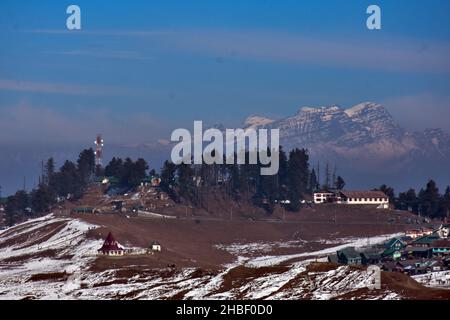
<point x="69" y="183"/>
<point x="243" y="182"/>
<point x="66" y="183"/>
<point x="182" y="182"/>
<point x="428" y="202"/>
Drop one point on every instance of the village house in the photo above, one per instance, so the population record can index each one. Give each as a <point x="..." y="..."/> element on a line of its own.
<point x="392" y="266"/>
<point x="414" y="234"/>
<point x="155" y="246"/>
<point x="425" y="242"/>
<point x="440" y="247"/>
<point x="84" y="210"/>
<point x="324" y="196"/>
<point x="349" y="256"/>
<point x="392" y="248"/>
<point x="411" y="252"/>
<point x="111" y="247"/>
<point x="370" y="257"/>
<point x="427" y="231"/>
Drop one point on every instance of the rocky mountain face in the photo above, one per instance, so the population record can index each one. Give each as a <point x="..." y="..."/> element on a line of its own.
<point x="365" y="141"/>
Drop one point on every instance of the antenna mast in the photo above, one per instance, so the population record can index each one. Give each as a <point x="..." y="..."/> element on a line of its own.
<point x="98" y="150"/>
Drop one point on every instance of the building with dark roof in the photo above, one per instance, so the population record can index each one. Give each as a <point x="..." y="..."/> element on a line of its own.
<point x="349" y="256"/>
<point x="111" y="247"/>
<point x="364" y="197"/>
<point x="352" y="197"/>
<point x="440" y="247"/>
<point x="155" y="246"/>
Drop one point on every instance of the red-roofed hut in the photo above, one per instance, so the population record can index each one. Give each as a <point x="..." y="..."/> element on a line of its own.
<point x="111" y="247"/>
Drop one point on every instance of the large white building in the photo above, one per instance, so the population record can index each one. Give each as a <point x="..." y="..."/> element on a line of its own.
<point x="363" y="197"/>
<point x="352" y="197"/>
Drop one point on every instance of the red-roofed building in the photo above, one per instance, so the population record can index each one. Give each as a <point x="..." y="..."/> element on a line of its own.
<point x="353" y="197"/>
<point x="440" y="247"/>
<point x="364" y="197"/>
<point x="111" y="247"/>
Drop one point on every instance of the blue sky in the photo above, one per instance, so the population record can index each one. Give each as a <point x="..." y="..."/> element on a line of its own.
<point x="137" y="70"/>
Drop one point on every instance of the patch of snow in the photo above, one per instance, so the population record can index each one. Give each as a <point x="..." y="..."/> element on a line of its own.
<point x="357" y="243"/>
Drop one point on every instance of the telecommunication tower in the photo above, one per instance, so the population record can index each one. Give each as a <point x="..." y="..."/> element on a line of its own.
<point x="98" y="150"/>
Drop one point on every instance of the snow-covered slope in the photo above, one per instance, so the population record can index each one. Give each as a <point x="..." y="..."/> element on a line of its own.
<point x="51" y="248"/>
<point x="53" y="258"/>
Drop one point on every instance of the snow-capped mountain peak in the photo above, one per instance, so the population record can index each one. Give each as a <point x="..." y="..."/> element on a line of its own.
<point x="256" y="121"/>
<point x="362" y="107"/>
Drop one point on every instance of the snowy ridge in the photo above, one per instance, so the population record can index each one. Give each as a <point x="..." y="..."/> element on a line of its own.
<point x="63" y="250"/>
<point x="256" y="121"/>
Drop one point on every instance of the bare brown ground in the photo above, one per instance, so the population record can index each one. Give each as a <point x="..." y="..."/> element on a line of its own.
<point x="54" y="276"/>
<point x="411" y="289"/>
<point x="191" y="242"/>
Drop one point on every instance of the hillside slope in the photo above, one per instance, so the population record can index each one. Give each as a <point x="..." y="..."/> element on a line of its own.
<point x="54" y="258"/>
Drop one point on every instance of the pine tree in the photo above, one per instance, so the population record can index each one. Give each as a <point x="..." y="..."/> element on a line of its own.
<point x="333" y="179"/>
<point x="69" y="181"/>
<point x="318" y="174"/>
<point x="339" y="183"/>
<point x="114" y="168"/>
<point x="298" y="169"/>
<point x="446" y="203"/>
<point x="283" y="175"/>
<point x="313" y="183"/>
<point x="168" y="179"/>
<point x="389" y="191"/>
<point x="408" y="201"/>
<point x="49" y="171"/>
<point x="86" y="165"/>
<point x="41" y="199"/>
<point x="327" y="176"/>
<point x="429" y="200"/>
<point x="185" y="181"/>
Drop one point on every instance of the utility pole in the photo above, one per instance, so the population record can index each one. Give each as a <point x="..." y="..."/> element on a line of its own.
<point x="98" y="150"/>
<point x="42" y="172"/>
<point x="335" y="216"/>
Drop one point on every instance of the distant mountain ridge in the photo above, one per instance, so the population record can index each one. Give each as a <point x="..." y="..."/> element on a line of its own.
<point x="366" y="124"/>
<point x="363" y="140"/>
